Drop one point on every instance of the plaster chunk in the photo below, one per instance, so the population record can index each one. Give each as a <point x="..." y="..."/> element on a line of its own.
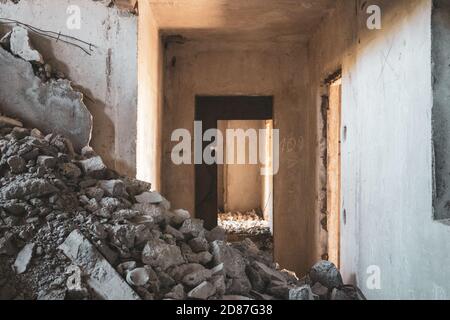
<point x="20" y="45"/>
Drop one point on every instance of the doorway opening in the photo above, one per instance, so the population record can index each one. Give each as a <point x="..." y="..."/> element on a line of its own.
<point x="333" y="202"/>
<point x="235" y="194"/>
<point x="245" y="194"/>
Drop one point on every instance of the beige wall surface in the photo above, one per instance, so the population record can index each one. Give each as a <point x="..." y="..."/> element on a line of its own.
<point x="280" y="70"/>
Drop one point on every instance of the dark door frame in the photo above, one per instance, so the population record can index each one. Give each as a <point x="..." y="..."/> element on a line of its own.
<point x="209" y="110"/>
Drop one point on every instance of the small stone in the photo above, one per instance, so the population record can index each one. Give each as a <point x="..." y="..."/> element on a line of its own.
<point x="192" y="228"/>
<point x="23" y="258"/>
<point x="174" y="232"/>
<point x="149" y="197"/>
<point x="203" y="291"/>
<point x="327" y="274"/>
<point x="124" y="267"/>
<point x="177" y="293"/>
<point x="16" y="164"/>
<point x="95" y="193"/>
<point x="113" y="188"/>
<point x="195" y="278"/>
<point x="70" y="170"/>
<point x="138" y="277"/>
<point x="155" y="249"/>
<point x="94" y="167"/>
<point x="320" y="290"/>
<point x="179" y="216"/>
<point x="301" y="293"/>
<point x="199" y="244"/>
<point x="204" y="257"/>
<point x="47" y="162"/>
<point x="218" y="233"/>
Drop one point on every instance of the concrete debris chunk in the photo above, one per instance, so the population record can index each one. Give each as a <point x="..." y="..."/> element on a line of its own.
<point x="24" y="258"/>
<point x="149" y="197"/>
<point x="102" y="277"/>
<point x="301" y="293"/>
<point x="203" y="291"/>
<point x="113" y="188"/>
<point x="326" y="273"/>
<point x="138" y="277"/>
<point x="179" y="216"/>
<point x="233" y="262"/>
<point x="157" y="248"/>
<point x="20" y="45"/>
<point x="94" y="167"/>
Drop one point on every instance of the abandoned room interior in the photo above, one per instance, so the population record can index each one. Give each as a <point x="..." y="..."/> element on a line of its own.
<point x="339" y="192"/>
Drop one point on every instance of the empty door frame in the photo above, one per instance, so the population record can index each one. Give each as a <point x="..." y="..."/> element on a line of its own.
<point x="209" y="110"/>
<point x="334" y="171"/>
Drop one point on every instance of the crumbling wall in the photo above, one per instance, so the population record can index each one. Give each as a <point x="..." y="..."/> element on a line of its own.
<point x="107" y="77"/>
<point x="387" y="226"/>
<point x="51" y="106"/>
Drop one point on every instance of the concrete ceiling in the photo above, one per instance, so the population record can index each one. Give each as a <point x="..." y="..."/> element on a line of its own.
<point x="240" y="20"/>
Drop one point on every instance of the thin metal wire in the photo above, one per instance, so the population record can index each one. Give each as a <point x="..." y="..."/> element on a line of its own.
<point x="53" y="35"/>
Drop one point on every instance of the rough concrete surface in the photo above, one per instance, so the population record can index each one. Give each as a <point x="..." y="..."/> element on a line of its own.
<point x="52" y="107"/>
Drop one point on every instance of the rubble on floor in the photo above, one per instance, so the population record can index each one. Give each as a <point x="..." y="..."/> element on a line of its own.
<point x="239" y="226"/>
<point x="244" y="223"/>
<point x="70" y="228"/>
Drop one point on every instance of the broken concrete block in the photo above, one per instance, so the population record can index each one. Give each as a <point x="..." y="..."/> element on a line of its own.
<point x="204" y="257"/>
<point x="174" y="232"/>
<point x="70" y="170"/>
<point x="17" y="164"/>
<point x="195" y="278"/>
<point x="52" y="106"/>
<point x="20" y="45"/>
<point x="199" y="244"/>
<point x="327" y="274"/>
<point x="179" y="216"/>
<point x="113" y="188"/>
<point x="149" y="197"/>
<point x="268" y="274"/>
<point x="93" y="167"/>
<point x="23" y="258"/>
<point x="124" y="267"/>
<point x="177" y="293"/>
<point x="218" y="233"/>
<point x="321" y="291"/>
<point x="192" y="228"/>
<point x="155" y="249"/>
<point x="301" y="293"/>
<point x="202" y="292"/>
<point x="102" y="277"/>
<point x="47" y="162"/>
<point x="240" y="286"/>
<point x="234" y="263"/>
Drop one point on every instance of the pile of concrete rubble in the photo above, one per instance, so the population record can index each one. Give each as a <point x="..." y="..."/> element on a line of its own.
<point x="70" y="228"/>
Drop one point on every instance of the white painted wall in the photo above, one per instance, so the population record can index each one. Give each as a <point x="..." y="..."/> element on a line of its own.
<point x="387" y="156"/>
